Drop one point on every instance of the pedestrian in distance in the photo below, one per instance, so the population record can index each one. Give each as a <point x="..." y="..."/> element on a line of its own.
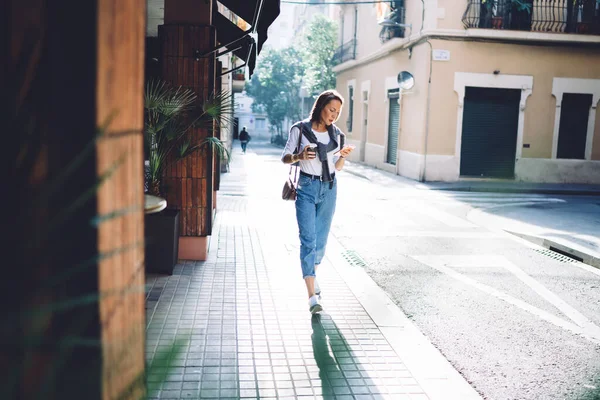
<point x="320" y="154"/>
<point x="244" y="139"/>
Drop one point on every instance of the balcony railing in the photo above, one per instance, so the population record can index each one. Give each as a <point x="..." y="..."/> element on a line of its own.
<point x="345" y="52"/>
<point x="557" y="16"/>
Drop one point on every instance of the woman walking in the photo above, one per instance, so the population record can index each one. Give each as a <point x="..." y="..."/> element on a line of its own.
<point x="320" y="154"/>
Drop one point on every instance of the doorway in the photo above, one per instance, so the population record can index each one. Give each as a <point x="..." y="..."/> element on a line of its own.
<point x="489" y="133"/>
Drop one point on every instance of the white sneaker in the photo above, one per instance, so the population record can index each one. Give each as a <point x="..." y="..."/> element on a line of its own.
<point x="314" y="306"/>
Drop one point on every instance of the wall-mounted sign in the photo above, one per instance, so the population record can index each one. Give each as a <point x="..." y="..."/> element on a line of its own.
<point x="441" y="55"/>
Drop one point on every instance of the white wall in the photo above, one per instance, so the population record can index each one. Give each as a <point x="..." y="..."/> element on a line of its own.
<point x="346" y="22"/>
<point x="249" y="119"/>
<point x="226" y="86"/>
<point x="281" y="32"/>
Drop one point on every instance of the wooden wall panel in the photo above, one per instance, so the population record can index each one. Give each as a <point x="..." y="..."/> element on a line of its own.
<point x="217" y="160"/>
<point x="119" y="95"/>
<point x="190" y="180"/>
<point x="87" y="69"/>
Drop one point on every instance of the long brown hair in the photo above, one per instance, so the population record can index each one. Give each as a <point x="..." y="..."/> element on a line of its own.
<point x="324" y="99"/>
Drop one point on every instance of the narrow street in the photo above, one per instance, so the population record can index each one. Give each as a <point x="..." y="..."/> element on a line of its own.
<point x="517" y="321"/>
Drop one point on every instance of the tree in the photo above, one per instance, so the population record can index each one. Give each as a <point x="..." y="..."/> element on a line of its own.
<point x="275" y="86"/>
<point x="317" y="47"/>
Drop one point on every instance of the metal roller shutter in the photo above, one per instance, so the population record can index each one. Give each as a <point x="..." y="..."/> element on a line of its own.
<point x="489" y="135"/>
<point x="393" y="127"/>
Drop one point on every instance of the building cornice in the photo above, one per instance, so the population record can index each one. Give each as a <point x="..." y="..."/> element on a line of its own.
<point x="488" y="35"/>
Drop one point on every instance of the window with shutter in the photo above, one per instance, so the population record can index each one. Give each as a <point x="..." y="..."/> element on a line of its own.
<point x="393" y="126"/>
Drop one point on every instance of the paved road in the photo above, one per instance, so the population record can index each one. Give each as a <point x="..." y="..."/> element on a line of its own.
<point x="570" y="224"/>
<point x="516" y="322"/>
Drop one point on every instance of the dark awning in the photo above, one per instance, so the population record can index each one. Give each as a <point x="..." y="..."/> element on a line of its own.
<point x="249" y="11"/>
<point x="238" y="41"/>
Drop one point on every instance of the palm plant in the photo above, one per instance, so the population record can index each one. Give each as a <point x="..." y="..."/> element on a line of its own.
<point x="170" y="114"/>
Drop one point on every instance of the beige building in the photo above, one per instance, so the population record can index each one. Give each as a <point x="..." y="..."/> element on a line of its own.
<point x="502" y="89"/>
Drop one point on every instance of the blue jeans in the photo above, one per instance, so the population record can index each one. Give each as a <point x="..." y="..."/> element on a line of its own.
<point x="315" y="205"/>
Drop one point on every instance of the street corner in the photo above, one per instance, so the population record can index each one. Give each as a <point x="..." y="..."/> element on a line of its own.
<point x="568" y="227"/>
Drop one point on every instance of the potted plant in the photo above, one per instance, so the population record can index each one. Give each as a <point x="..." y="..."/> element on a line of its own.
<point x="520" y="15"/>
<point x="493" y="12"/>
<point x="169" y="115"/>
<point x="239" y="76"/>
<point x="491" y="15"/>
<point x="584" y="13"/>
<point x="522" y="5"/>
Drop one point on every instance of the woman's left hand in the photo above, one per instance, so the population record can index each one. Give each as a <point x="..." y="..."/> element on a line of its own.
<point x="345" y="152"/>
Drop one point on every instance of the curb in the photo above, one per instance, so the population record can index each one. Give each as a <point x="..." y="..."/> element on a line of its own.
<point x="566" y="192"/>
<point x="575" y="254"/>
<point x="534" y="245"/>
<point x="579" y="255"/>
<point x="432" y="371"/>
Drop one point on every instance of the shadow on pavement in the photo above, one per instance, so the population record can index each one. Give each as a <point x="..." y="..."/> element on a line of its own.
<point x="592" y="392"/>
<point x="323" y="357"/>
<point x="340" y="370"/>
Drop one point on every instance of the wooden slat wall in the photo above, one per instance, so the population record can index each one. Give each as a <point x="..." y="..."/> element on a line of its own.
<point x="189" y="182"/>
<point x="217" y="161"/>
<point x="91" y="66"/>
<point x="81" y="71"/>
<point x="119" y="94"/>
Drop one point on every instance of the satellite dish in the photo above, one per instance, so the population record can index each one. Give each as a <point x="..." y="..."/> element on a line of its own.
<point x="405" y="80"/>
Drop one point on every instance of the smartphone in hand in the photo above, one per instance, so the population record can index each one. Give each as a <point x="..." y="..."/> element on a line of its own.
<point x="347" y="146"/>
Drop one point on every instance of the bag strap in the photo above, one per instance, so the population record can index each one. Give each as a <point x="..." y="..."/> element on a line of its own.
<point x="296" y="152"/>
<point x="299" y="138"/>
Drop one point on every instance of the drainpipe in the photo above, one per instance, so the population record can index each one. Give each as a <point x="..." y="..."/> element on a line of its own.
<point x="355" y="27"/>
<point x="342" y="30"/>
<point x="426" y="136"/>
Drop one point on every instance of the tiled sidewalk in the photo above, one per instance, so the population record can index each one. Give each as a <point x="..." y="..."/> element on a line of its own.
<point x="245" y="313"/>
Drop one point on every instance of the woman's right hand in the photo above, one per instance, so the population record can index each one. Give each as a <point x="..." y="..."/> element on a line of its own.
<point x="307" y="154"/>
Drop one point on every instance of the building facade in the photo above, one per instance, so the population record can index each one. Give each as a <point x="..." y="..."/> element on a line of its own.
<point x="281" y="32"/>
<point x="502" y="89"/>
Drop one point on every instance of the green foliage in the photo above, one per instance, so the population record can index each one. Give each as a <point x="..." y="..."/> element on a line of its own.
<point x="317" y="47"/>
<point x="50" y="331"/>
<point x="520" y="5"/>
<point x="217" y="146"/>
<point x="216" y="109"/>
<point x="169" y="115"/>
<point x="280" y="74"/>
<point x="165" y="110"/>
<point x="275" y="85"/>
<point x="524" y="5"/>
